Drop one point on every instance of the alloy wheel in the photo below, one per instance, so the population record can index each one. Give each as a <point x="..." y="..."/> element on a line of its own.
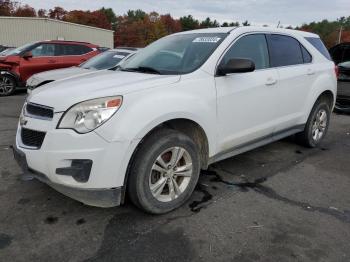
<point x="319" y="125"/>
<point x="170" y="174"/>
<point x="6" y="85"/>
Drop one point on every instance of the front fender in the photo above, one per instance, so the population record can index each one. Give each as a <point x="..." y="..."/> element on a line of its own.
<point x="143" y="111"/>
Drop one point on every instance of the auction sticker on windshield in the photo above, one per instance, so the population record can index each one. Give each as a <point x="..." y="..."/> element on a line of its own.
<point x="214" y="39"/>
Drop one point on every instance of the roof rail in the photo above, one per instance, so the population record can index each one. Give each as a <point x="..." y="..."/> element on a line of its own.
<point x="127" y="48"/>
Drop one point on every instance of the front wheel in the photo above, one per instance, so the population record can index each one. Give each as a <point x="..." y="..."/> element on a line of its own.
<point x="164" y="172"/>
<point x="317" y="125"/>
<point x="7" y="85"/>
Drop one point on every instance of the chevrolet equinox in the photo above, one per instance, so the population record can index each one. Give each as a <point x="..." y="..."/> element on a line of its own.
<point x="146" y="129"/>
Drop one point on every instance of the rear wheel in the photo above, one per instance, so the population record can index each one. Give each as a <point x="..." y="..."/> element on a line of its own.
<point x="7" y="85"/>
<point x="164" y="172"/>
<point x="317" y="125"/>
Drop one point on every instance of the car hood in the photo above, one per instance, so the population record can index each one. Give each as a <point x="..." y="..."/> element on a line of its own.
<point x="56" y="74"/>
<point x="64" y="93"/>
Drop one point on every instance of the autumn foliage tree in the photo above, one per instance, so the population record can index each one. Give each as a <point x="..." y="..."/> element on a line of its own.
<point x="25" y="11"/>
<point x="330" y="30"/>
<point x="95" y="18"/>
<point x="7" y="7"/>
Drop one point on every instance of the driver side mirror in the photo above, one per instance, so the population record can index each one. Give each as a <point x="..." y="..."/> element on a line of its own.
<point x="27" y="55"/>
<point x="236" y="65"/>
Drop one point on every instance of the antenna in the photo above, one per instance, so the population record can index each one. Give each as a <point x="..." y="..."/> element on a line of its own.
<point x="278" y="25"/>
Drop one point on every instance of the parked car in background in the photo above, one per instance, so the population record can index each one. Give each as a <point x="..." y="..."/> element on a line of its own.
<point x="3" y="47"/>
<point x="105" y="60"/>
<point x="6" y="50"/>
<point x="341" y="57"/>
<point x="172" y="109"/>
<point x="21" y="63"/>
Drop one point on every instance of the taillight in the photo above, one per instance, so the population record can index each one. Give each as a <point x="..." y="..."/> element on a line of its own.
<point x="336" y="70"/>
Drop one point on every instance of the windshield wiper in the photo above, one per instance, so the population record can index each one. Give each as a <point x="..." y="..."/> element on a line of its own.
<point x="142" y="69"/>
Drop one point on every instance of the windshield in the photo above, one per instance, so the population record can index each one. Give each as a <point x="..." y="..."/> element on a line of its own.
<point x="177" y="54"/>
<point x="20" y="49"/>
<point x="105" y="60"/>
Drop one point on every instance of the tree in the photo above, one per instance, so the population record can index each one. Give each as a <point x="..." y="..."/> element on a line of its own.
<point x="25" y="11"/>
<point x="136" y="15"/>
<point x="171" y="25"/>
<point x="188" y="23"/>
<point x="42" y="13"/>
<point x="57" y="13"/>
<point x="111" y="17"/>
<point x="232" y="24"/>
<point x="224" y="24"/>
<point x="207" y="23"/>
<point x="7" y="7"/>
<point x="95" y="18"/>
<point x="246" y="23"/>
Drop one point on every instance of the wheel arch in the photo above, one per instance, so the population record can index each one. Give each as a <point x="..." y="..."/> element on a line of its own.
<point x="185" y="125"/>
<point x="11" y="74"/>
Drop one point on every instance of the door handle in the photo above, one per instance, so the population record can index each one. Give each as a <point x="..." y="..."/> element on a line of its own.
<point x="310" y="72"/>
<point x="52" y="61"/>
<point x="270" y="81"/>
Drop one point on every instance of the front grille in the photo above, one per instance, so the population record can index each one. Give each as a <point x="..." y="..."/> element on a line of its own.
<point x="39" y="111"/>
<point x="32" y="138"/>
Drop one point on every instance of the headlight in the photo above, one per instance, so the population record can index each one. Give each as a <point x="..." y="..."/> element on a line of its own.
<point x="88" y="115"/>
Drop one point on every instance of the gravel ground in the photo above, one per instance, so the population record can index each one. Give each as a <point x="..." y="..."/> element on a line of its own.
<point x="281" y="202"/>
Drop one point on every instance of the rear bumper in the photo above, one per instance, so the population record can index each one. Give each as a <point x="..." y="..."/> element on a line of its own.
<point x="108" y="197"/>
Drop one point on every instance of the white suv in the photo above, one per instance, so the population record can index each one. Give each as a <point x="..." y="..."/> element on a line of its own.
<point x="184" y="102"/>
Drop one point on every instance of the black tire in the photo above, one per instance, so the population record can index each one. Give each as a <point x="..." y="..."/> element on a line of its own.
<point x="306" y="138"/>
<point x="152" y="147"/>
<point x="7" y="85"/>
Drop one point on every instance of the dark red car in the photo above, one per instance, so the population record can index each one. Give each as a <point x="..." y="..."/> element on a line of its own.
<point x="21" y="63"/>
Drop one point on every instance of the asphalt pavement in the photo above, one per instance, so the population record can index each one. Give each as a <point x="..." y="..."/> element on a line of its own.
<point x="281" y="202"/>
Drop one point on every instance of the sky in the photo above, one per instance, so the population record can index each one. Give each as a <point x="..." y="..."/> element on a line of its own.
<point x="258" y="12"/>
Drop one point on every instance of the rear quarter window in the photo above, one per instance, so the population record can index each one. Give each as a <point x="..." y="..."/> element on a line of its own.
<point x="306" y="55"/>
<point x="318" y="44"/>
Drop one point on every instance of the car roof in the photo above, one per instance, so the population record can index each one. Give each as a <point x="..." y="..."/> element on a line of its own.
<point x="124" y="50"/>
<point x="251" y="29"/>
<point x="68" y="42"/>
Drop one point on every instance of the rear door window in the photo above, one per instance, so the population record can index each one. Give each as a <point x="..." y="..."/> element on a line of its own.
<point x="67" y="49"/>
<point x="318" y="44"/>
<point x="284" y="50"/>
<point x="253" y="47"/>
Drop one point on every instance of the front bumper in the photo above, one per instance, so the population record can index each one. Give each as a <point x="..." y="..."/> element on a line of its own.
<point x="54" y="162"/>
<point x="93" y="197"/>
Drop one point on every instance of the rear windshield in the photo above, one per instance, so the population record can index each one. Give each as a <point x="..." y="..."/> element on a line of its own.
<point x="318" y="44"/>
